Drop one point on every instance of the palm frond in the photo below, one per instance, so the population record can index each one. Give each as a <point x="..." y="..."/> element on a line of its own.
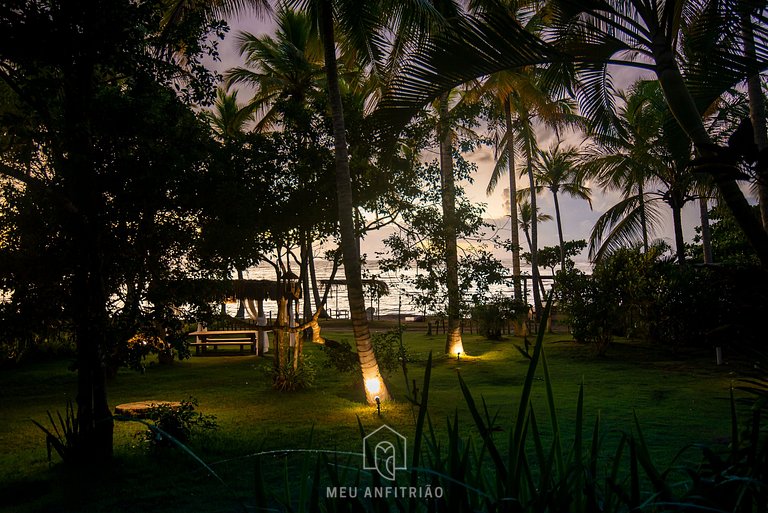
<point x="177" y="10"/>
<point x="499" y="169"/>
<point x="621" y="225"/>
<point x="470" y="46"/>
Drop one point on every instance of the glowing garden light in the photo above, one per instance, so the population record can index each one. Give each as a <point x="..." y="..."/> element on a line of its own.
<point x="373" y="386"/>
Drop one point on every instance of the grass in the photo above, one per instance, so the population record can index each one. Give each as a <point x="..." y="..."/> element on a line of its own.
<point x="679" y="401"/>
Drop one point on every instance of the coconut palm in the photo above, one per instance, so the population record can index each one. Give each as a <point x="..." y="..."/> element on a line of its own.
<point x="522" y="98"/>
<point x="644" y="152"/>
<point x="512" y="92"/>
<point x="453" y="342"/>
<point x="288" y="66"/>
<point x="645" y="34"/>
<point x="556" y="170"/>
<point x="228" y="119"/>
<point x="525" y="212"/>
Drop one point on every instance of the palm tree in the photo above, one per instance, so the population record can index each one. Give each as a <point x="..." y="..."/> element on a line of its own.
<point x="521" y="98"/>
<point x="513" y="92"/>
<point x="228" y="117"/>
<point x="644" y="151"/>
<point x="375" y="388"/>
<point x="228" y="120"/>
<point x="288" y="66"/>
<point x="644" y="34"/>
<point x="757" y="112"/>
<point x="556" y="170"/>
<point x="527" y="224"/>
<point x="453" y="342"/>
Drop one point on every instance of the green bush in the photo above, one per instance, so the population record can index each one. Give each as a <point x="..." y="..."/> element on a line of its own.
<point x="617" y="299"/>
<point x="290" y="378"/>
<point x="493" y="315"/>
<point x="339" y="356"/>
<point x="176" y="424"/>
<point x="390" y="353"/>
<point x="646" y="297"/>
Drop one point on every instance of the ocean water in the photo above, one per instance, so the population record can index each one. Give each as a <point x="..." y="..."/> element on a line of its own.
<point x="398" y="298"/>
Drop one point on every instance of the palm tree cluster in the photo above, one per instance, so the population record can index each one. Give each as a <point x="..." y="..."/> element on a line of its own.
<point x="536" y="67"/>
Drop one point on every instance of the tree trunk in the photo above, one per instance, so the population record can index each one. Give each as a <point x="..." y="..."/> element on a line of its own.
<point x="374" y="382"/>
<point x="757" y="116"/>
<point x="643" y="217"/>
<point x="306" y="292"/>
<point x="453" y="342"/>
<point x="313" y="278"/>
<point x="706" y="233"/>
<point x="94" y="417"/>
<point x="514" y="231"/>
<point x="688" y="117"/>
<point x="559" y="231"/>
<point x="240" y="304"/>
<point x="677" y="222"/>
<point x="533" y="242"/>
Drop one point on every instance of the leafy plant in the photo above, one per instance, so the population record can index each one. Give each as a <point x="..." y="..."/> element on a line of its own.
<point x="290" y="378"/>
<point x="177" y="423"/>
<point x="390" y="352"/>
<point x="64" y="437"/>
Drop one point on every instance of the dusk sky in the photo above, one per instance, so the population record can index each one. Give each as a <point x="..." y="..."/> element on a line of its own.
<point x="578" y="219"/>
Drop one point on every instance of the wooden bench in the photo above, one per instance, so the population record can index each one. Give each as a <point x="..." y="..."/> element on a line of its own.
<point x="241" y="338"/>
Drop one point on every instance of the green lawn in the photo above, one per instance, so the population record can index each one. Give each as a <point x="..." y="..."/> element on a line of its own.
<point x="679" y="401"/>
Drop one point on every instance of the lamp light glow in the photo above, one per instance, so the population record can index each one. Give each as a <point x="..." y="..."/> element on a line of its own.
<point x="373" y="385"/>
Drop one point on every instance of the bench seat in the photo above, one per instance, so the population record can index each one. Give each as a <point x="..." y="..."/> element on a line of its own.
<point x="225" y="338"/>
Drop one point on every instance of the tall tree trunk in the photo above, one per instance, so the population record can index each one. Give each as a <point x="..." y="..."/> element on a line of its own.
<point x="453" y="342"/>
<point x="677" y="222"/>
<point x="240" y="303"/>
<point x="706" y="233"/>
<point x="559" y="231"/>
<point x="313" y="279"/>
<point x="687" y="115"/>
<point x="757" y="116"/>
<point x="89" y="299"/>
<point x="643" y="216"/>
<point x="374" y="382"/>
<point x="306" y="292"/>
<point x="514" y="229"/>
<point x="533" y="241"/>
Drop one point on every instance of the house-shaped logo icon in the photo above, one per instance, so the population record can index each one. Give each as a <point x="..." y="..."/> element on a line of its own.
<point x="385" y="451"/>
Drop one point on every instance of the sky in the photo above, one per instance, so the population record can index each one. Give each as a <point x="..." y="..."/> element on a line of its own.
<point x="578" y="218"/>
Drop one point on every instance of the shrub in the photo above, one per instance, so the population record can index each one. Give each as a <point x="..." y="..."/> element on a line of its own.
<point x="616" y="300"/>
<point x="494" y="315"/>
<point x="339" y="356"/>
<point x="391" y="354"/>
<point x="290" y="378"/>
<point x="176" y="424"/>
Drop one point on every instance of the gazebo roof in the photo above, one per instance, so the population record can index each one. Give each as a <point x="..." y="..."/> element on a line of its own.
<point x="264" y="289"/>
<point x="230" y="290"/>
